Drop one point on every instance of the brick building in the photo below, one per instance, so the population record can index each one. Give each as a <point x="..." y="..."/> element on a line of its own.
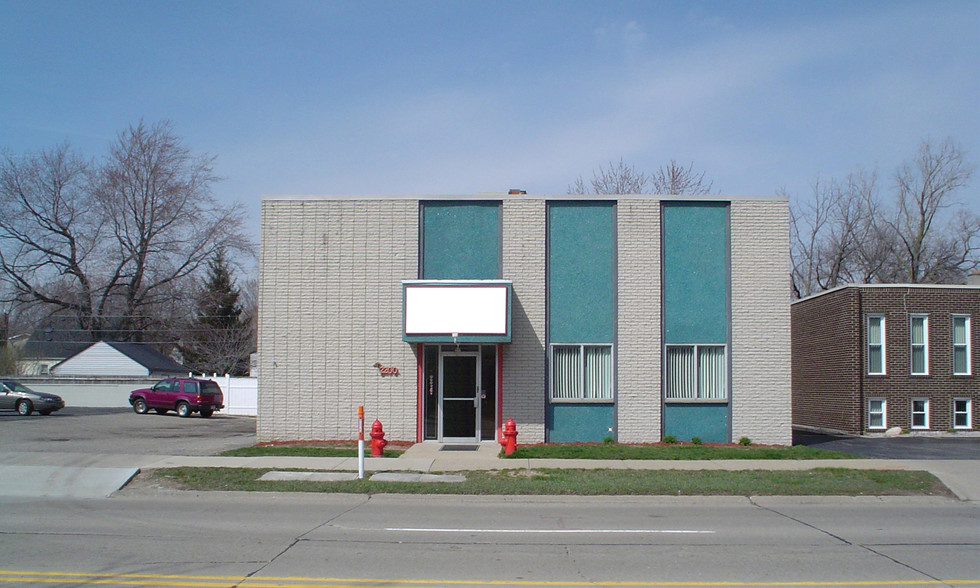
<point x="867" y="358"/>
<point x="630" y="317"/>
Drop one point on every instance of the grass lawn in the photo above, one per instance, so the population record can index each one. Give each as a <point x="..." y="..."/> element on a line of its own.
<point x="815" y="482"/>
<point x="312" y="449"/>
<point x="671" y="451"/>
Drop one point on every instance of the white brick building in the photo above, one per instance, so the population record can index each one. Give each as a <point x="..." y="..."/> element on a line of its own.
<point x="624" y="317"/>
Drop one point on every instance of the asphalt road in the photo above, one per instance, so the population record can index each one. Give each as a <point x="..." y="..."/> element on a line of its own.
<point x="158" y="538"/>
<point x="149" y="536"/>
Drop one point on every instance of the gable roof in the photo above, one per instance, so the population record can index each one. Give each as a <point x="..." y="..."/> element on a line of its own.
<point x="93" y="359"/>
<point x="148" y="357"/>
<point x="58" y="338"/>
<point x="51" y="349"/>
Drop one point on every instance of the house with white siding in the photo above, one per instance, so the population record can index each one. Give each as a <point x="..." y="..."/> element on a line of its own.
<point x="54" y="341"/>
<point x="112" y="358"/>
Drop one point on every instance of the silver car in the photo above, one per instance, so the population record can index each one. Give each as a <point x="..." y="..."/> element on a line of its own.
<point x="16" y="396"/>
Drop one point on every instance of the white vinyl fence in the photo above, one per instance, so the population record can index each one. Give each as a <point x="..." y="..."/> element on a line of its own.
<point x="241" y="394"/>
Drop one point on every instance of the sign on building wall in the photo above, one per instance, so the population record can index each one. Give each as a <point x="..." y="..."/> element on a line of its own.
<point x="457" y="311"/>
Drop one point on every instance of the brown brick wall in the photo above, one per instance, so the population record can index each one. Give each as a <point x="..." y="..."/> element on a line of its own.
<point x="898" y="386"/>
<point x="830" y="381"/>
<point x="826" y="361"/>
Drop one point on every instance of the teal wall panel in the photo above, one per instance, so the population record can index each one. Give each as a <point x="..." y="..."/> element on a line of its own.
<point x="696" y="296"/>
<point x="581" y="258"/>
<point x="460" y="240"/>
<point x="695" y="272"/>
<point x="582" y="423"/>
<point x="709" y="422"/>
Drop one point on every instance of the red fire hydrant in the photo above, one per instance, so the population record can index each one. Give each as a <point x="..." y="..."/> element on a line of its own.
<point x="377" y="439"/>
<point x="509" y="434"/>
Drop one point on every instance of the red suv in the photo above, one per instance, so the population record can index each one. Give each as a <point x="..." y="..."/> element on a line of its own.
<point x="184" y="395"/>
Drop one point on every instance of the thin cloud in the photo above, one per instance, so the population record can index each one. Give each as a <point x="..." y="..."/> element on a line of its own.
<point x="628" y="38"/>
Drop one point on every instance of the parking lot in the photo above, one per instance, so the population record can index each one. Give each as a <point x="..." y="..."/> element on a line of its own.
<point x="947" y="446"/>
<point x="121" y="431"/>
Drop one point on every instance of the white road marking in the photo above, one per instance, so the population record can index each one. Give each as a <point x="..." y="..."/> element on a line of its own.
<point x="546" y="531"/>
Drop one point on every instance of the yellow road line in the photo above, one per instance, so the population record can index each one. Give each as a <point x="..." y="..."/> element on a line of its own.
<point x="204" y="581"/>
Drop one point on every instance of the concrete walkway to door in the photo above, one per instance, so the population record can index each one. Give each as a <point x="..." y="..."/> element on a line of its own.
<point x="449" y="457"/>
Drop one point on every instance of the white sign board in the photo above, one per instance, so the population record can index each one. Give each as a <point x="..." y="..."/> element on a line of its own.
<point x="447" y="310"/>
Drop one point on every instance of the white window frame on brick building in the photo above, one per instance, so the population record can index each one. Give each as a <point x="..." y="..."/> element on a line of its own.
<point x="961" y="345"/>
<point x="919" y="344"/>
<point x="875" y="345"/>
<point x="919" y="417"/>
<point x="962" y="413"/>
<point x="877" y="413"/>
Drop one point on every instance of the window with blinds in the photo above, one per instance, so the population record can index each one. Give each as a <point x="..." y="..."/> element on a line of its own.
<point x="581" y="372"/>
<point x="696" y="372"/>
<point x="961" y="345"/>
<point x="919" y="341"/>
<point x="875" y="338"/>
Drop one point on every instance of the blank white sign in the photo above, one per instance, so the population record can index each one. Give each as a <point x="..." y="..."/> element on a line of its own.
<point x="469" y="310"/>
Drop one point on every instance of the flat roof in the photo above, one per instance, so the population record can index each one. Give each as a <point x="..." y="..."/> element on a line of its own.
<point x="884" y="286"/>
<point x="508" y="196"/>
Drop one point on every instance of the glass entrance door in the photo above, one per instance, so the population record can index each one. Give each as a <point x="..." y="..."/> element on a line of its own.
<point x="459" y="392"/>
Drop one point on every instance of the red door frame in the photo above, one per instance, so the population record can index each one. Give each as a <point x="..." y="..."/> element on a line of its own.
<point x="420" y="382"/>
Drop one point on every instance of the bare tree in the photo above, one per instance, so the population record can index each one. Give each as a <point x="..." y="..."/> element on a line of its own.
<point x="832" y="238"/>
<point x="106" y="242"/>
<point x="620" y="178"/>
<point x="674" y="178"/>
<point x="932" y="242"/>
<point x="845" y="234"/>
<point x="17" y="322"/>
<point x="50" y="232"/>
<point x="8" y="358"/>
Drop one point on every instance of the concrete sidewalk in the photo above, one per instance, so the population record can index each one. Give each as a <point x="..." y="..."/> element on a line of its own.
<point x="88" y="476"/>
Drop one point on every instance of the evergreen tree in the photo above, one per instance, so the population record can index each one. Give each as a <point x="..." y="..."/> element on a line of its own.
<point x="219" y="339"/>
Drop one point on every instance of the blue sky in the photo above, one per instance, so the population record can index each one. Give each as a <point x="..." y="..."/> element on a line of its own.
<point x="302" y="97"/>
